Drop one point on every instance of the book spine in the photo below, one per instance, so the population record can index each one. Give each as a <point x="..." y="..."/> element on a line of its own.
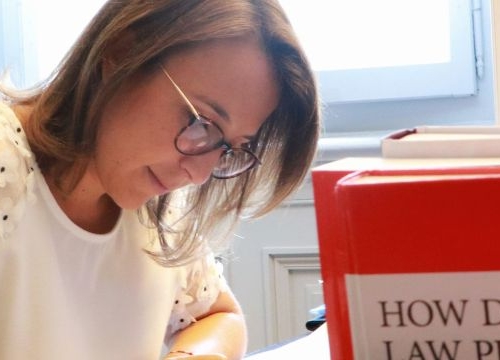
<point x="333" y="261"/>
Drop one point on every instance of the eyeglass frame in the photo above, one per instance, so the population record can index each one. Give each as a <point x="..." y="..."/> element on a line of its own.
<point x="226" y="147"/>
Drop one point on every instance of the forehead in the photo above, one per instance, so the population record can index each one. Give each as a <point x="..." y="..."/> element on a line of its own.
<point x="235" y="75"/>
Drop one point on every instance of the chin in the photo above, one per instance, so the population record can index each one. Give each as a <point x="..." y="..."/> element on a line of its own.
<point x="132" y="203"/>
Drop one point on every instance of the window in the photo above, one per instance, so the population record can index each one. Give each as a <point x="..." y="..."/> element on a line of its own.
<point x="365" y="88"/>
<point x="36" y="35"/>
<point x="366" y="50"/>
<point x="388" y="64"/>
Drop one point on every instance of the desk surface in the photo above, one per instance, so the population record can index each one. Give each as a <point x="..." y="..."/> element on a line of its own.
<point x="316" y="343"/>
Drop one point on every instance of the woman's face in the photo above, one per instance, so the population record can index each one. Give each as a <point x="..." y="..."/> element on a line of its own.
<point x="230" y="82"/>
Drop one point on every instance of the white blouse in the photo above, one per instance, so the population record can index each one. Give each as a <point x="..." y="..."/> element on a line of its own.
<point x="66" y="293"/>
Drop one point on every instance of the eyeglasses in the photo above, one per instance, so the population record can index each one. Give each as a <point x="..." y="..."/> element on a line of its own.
<point x="202" y="136"/>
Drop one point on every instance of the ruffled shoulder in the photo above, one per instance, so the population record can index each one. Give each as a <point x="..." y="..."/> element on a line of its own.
<point x="17" y="165"/>
<point x="200" y="285"/>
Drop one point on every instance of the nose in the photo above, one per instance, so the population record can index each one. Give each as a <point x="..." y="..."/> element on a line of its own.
<point x="200" y="167"/>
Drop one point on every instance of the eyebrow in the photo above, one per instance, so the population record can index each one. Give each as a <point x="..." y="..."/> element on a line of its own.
<point x="221" y="112"/>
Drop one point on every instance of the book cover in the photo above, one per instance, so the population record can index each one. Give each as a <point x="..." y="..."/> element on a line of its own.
<point x="381" y="240"/>
<point x="443" y="142"/>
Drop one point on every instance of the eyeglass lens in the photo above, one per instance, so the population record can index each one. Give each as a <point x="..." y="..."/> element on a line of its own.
<point x="199" y="137"/>
<point x="202" y="136"/>
<point x="233" y="163"/>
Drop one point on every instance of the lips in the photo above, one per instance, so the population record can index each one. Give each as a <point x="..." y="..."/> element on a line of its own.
<point x="160" y="188"/>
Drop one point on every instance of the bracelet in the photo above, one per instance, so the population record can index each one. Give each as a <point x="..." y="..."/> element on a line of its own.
<point x="181" y="352"/>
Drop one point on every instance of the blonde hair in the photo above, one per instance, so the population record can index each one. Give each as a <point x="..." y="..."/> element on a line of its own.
<point x="67" y="108"/>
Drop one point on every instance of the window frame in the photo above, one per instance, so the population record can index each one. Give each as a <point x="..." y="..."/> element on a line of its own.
<point x="451" y="79"/>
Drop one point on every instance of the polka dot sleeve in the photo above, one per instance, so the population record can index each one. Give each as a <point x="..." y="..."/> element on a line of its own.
<point x="16" y="172"/>
<point x="201" y="284"/>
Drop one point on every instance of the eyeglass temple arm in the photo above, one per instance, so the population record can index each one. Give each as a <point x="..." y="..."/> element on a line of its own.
<point x="191" y="107"/>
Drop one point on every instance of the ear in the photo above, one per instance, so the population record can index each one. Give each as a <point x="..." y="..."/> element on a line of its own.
<point x="117" y="50"/>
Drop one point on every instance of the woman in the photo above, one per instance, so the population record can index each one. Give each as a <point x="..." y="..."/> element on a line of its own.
<point x="123" y="174"/>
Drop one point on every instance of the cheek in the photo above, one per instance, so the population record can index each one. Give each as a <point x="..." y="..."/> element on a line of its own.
<point x="128" y="149"/>
<point x="137" y="132"/>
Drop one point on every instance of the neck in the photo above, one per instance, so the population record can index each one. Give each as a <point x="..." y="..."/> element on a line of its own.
<point x="87" y="205"/>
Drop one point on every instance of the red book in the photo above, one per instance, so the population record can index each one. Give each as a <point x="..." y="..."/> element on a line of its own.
<point x="410" y="257"/>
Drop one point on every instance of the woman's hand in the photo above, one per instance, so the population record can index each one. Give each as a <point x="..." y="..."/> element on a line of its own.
<point x="219" y="335"/>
